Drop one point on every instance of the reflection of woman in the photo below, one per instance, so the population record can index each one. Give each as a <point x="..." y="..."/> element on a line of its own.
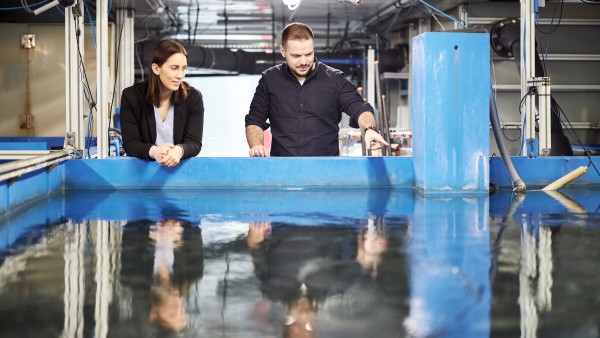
<point x="162" y="118"/>
<point x="160" y="261"/>
<point x="167" y="309"/>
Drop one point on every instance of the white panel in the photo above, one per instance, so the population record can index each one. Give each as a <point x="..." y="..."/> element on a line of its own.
<point x="226" y="103"/>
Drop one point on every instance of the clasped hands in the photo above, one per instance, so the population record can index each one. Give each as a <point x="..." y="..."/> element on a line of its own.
<point x="167" y="155"/>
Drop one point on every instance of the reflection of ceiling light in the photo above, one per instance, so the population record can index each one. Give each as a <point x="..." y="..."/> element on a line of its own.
<point x="356" y="2"/>
<point x="292" y="4"/>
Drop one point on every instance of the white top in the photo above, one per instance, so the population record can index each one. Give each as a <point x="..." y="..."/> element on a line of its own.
<point x="164" y="129"/>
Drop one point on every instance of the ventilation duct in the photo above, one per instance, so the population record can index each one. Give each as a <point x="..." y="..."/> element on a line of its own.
<point x="243" y="62"/>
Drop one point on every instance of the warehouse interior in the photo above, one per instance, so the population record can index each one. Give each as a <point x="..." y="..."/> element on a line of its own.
<point x="231" y="41"/>
<point x="435" y="236"/>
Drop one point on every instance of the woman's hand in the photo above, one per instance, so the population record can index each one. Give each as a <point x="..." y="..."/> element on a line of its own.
<point x="168" y="154"/>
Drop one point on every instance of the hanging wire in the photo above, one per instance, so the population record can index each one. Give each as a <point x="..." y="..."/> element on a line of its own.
<point x="460" y="23"/>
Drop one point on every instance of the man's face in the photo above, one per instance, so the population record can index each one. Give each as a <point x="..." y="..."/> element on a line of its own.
<point x="300" y="56"/>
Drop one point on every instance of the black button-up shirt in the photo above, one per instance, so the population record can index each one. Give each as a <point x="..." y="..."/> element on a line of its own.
<point x="305" y="118"/>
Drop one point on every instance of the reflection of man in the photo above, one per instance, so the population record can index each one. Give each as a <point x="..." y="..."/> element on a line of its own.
<point x="299" y="266"/>
<point x="372" y="243"/>
<point x="300" y="319"/>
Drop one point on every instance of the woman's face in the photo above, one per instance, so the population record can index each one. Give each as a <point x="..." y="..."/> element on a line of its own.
<point x="172" y="72"/>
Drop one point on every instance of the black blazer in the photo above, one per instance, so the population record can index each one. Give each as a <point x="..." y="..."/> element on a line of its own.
<point x="138" y="125"/>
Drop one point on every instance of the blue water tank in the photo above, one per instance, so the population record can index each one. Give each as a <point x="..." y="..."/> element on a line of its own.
<point x="450" y="112"/>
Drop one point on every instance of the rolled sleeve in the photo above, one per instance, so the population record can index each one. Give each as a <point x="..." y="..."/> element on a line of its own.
<point x="259" y="107"/>
<point x="351" y="102"/>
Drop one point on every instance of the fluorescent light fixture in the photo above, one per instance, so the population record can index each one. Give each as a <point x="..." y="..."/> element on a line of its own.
<point x="230" y="37"/>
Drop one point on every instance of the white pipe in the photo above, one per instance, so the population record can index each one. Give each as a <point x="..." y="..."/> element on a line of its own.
<point x="568" y="178"/>
<point x="46" y="7"/>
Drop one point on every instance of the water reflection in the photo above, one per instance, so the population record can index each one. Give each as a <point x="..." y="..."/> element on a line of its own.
<point x="160" y="261"/>
<point x="300" y="267"/>
<point x="376" y="265"/>
<point x="371" y="244"/>
<point x="524" y="246"/>
<point x="449" y="266"/>
<point x="334" y="267"/>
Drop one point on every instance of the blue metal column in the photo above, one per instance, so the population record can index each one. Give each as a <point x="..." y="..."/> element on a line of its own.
<point x="450" y="112"/>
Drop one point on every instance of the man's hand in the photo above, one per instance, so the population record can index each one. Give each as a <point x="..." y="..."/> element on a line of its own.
<point x="373" y="140"/>
<point x="257" y="232"/>
<point x="259" y="151"/>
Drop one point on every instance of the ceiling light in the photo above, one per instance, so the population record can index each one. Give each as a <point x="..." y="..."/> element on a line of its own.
<point x="292" y="4"/>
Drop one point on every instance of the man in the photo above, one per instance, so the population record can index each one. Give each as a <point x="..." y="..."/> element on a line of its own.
<point x="303" y="99"/>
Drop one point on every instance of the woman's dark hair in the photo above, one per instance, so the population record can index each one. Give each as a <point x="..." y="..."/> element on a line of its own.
<point x="296" y="31"/>
<point x="161" y="52"/>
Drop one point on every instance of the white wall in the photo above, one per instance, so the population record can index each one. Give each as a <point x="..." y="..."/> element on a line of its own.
<point x="32" y="81"/>
<point x="226" y="103"/>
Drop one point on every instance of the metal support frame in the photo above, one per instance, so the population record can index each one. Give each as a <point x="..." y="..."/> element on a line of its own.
<point x="371" y="96"/>
<point x="463" y="16"/>
<point x="527" y="64"/>
<point x="542" y="85"/>
<point x="74" y="99"/>
<point x="24" y="166"/>
<point x="125" y="41"/>
<point x="371" y="76"/>
<point x="102" y="77"/>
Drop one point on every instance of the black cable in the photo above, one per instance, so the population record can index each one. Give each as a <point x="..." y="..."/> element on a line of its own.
<point x="338" y="45"/>
<point x="554" y="28"/>
<point x="530" y="91"/>
<point x="189" y="39"/>
<point x="86" y="87"/>
<point x="112" y="100"/>
<point x="86" y="84"/>
<point x="197" y="19"/>
<point x="557" y="111"/>
<point x="549" y="33"/>
<point x="590" y="2"/>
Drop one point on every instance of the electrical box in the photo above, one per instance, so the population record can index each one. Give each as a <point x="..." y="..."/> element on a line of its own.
<point x="28" y="41"/>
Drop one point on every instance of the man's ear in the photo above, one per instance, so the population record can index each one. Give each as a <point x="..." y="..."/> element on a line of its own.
<point x="282" y="51"/>
<point x="155" y="69"/>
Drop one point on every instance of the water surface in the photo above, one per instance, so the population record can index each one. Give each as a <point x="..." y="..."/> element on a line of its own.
<point x="332" y="263"/>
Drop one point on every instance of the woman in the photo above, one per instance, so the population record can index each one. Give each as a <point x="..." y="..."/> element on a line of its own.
<point x="162" y="118"/>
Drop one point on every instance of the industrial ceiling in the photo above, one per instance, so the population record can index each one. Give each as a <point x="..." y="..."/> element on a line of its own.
<point x="251" y="25"/>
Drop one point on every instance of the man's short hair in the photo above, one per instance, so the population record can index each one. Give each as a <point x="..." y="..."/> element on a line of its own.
<point x="296" y="31"/>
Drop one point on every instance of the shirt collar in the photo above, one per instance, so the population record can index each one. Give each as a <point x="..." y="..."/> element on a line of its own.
<point x="311" y="73"/>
